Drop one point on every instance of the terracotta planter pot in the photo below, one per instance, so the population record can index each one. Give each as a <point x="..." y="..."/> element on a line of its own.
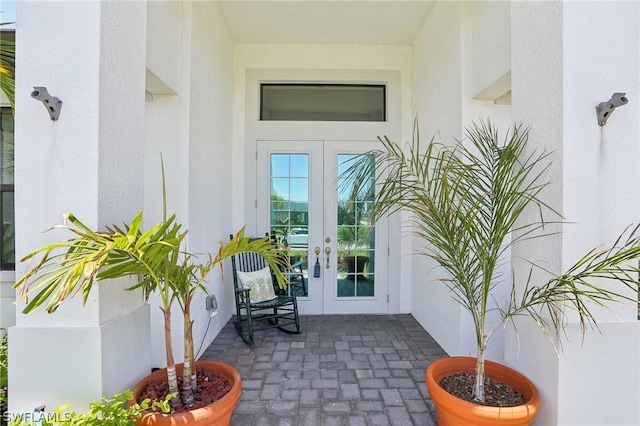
<point x="455" y="411"/>
<point x="218" y="413"/>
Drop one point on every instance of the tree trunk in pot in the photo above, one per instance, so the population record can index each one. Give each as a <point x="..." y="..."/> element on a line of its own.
<point x="216" y="414"/>
<point x="455" y="411"/>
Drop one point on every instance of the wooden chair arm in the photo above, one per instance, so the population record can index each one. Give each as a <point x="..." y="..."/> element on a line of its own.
<point x="243" y="295"/>
<point x="298" y="264"/>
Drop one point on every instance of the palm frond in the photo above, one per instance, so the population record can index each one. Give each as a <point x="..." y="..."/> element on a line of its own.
<point x="70" y="267"/>
<point x="7" y="69"/>
<point x="579" y="287"/>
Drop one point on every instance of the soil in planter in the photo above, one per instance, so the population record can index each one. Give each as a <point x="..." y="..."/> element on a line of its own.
<point x="211" y="387"/>
<point x="496" y="394"/>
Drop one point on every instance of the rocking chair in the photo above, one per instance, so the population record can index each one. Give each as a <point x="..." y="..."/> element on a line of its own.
<point x="277" y="309"/>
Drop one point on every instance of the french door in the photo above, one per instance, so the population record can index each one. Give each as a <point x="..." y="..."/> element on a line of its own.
<point x="328" y="234"/>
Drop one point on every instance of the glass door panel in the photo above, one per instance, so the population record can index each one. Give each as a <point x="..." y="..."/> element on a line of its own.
<point x="289" y="212"/>
<point x="355" y="235"/>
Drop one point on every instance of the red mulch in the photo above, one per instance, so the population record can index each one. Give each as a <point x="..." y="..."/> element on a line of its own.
<point x="211" y="387"/>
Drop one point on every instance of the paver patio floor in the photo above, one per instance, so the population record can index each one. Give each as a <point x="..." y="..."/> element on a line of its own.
<point x="342" y="370"/>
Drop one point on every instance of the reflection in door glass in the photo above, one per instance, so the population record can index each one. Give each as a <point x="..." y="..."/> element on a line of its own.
<point x="289" y="213"/>
<point x="356" y="236"/>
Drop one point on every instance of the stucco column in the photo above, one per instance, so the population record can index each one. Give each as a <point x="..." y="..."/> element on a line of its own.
<point x="91" y="55"/>
<point x="567" y="57"/>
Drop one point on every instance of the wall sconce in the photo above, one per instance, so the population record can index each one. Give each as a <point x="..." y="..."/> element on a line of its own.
<point x="605" y="109"/>
<point x="212" y="305"/>
<point x="51" y="103"/>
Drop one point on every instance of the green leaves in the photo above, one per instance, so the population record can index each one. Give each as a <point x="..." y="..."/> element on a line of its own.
<point x="277" y="260"/>
<point x="578" y="289"/>
<point x="465" y="200"/>
<point x="107" y="412"/>
<point x="4" y="366"/>
<point x="69" y="267"/>
<point x="7" y="68"/>
<point x="186" y="278"/>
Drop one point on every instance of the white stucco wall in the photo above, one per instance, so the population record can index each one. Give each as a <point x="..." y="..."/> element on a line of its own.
<point x="490" y="48"/>
<point x="595" y="186"/>
<point x="459" y="53"/>
<point x="437" y="101"/>
<point x="594" y="67"/>
<point x="211" y="159"/>
<point x="164" y="34"/>
<point x="537" y="100"/>
<point x="88" y="162"/>
<point x="7" y="297"/>
<point x="192" y="130"/>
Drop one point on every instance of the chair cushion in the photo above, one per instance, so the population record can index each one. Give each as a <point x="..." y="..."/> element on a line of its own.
<point x="260" y="284"/>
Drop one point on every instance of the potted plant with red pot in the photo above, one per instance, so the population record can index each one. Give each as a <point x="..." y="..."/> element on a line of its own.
<point x="69" y="267"/>
<point x="465" y="201"/>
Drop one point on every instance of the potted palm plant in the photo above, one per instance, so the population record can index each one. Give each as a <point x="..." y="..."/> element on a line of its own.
<point x="69" y="267"/>
<point x="465" y="201"/>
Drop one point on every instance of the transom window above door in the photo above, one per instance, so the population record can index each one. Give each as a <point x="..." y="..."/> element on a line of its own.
<point x="322" y="102"/>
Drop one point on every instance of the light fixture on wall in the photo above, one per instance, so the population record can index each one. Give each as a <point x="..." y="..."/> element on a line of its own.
<point x="51" y="103"/>
<point x="605" y="109"/>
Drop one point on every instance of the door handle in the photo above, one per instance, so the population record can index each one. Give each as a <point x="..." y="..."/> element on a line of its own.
<point x="327" y="251"/>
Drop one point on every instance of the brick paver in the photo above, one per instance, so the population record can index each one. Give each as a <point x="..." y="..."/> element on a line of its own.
<point x="342" y="370"/>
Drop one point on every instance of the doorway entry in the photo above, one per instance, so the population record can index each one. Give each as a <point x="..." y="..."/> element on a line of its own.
<point x="329" y="236"/>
